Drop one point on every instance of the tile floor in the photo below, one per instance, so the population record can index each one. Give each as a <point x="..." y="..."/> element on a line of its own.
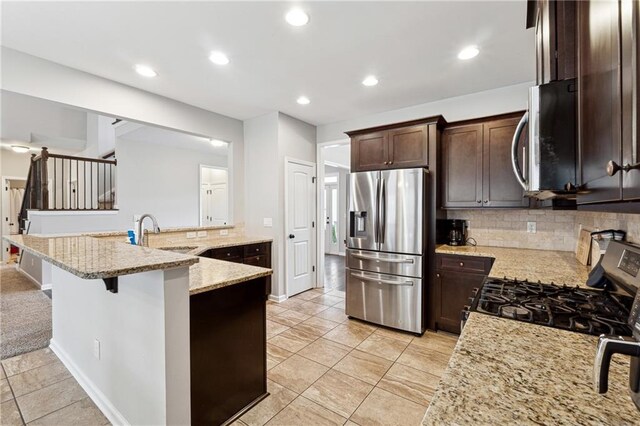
<point x="327" y="369"/>
<point x="37" y="389"/>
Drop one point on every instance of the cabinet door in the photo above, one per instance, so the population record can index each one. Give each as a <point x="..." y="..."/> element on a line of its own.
<point x="453" y="293"/>
<point x="500" y="187"/>
<point x="369" y="152"/>
<point x="599" y="114"/>
<point x="462" y="166"/>
<point x="630" y="31"/>
<point x="408" y="147"/>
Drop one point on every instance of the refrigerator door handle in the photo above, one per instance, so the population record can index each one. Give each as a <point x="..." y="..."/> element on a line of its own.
<point x="382" y="217"/>
<point x="364" y="277"/>
<point x="376" y="218"/>
<point x="381" y="259"/>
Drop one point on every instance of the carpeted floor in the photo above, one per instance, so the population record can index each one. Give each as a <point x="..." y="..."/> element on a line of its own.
<point x="25" y="314"/>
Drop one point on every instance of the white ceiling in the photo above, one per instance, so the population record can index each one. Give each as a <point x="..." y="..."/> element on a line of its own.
<point x="410" y="46"/>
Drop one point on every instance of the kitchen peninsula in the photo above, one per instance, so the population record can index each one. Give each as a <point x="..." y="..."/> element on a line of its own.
<point x="155" y="336"/>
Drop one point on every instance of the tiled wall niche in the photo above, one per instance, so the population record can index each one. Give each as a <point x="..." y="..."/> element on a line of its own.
<point x="555" y="230"/>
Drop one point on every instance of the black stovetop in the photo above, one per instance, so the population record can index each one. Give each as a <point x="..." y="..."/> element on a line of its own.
<point x="577" y="309"/>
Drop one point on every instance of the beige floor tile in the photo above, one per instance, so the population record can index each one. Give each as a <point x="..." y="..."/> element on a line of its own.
<point x="322" y="290"/>
<point x="24" y="362"/>
<point x="290" y="318"/>
<point x="306" y="413"/>
<point x="326" y="352"/>
<point x="348" y="335"/>
<point x="363" y="366"/>
<point x="398" y="335"/>
<point x="424" y="359"/>
<point x="290" y="303"/>
<point x="386" y="409"/>
<point x="274" y="309"/>
<point x="47" y="400"/>
<point x="338" y="392"/>
<point x="5" y="391"/>
<point x="9" y="414"/>
<point x="321" y="324"/>
<point x="350" y="423"/>
<point x="337" y="293"/>
<point x="437" y="341"/>
<point x="279" y="398"/>
<point x="293" y="339"/>
<point x="352" y="322"/>
<point x="341" y="304"/>
<point x="297" y="373"/>
<point x="333" y="314"/>
<point x="410" y="383"/>
<point x="274" y="328"/>
<point x="384" y="347"/>
<point x="271" y="363"/>
<point x="38" y="378"/>
<point x="310" y="308"/>
<point x="238" y="423"/>
<point x="2" y="375"/>
<point x="306" y="295"/>
<point x="276" y="353"/>
<point x="83" y="412"/>
<point x="326" y="299"/>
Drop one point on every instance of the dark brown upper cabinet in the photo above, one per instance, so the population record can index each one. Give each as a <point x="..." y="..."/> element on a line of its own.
<point x="397" y="146"/>
<point x="554" y="24"/>
<point x="607" y="101"/>
<point x="476" y="162"/>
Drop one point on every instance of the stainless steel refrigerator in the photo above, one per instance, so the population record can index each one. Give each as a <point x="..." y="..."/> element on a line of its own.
<point x="386" y="244"/>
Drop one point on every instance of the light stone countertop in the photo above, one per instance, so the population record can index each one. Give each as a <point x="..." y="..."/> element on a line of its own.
<point x="200" y="245"/>
<point x="547" y="266"/>
<point x="511" y="372"/>
<point x="212" y="274"/>
<point x="95" y="258"/>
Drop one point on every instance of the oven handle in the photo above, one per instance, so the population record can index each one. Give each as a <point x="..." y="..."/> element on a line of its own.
<point x="607" y="346"/>
<point x="514" y="151"/>
<point x="363" y="256"/>
<point x="364" y="277"/>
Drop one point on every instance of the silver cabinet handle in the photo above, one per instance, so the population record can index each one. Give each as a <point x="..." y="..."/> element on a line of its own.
<point x="381" y="280"/>
<point x="363" y="256"/>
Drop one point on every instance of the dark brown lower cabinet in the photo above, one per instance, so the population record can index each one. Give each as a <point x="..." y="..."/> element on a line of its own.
<point x="250" y="254"/>
<point x="456" y="278"/>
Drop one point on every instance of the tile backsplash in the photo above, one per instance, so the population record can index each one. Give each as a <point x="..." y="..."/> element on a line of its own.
<point x="555" y="229"/>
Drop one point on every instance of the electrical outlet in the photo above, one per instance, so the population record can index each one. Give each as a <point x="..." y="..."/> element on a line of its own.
<point x="468" y="224"/>
<point x="191" y="234"/>
<point x="202" y="233"/>
<point x="224" y="232"/>
<point x="268" y="222"/>
<point x="531" y="227"/>
<point x="96" y="349"/>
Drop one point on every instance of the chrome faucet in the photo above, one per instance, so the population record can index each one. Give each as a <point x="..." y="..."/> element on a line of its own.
<point x="156" y="228"/>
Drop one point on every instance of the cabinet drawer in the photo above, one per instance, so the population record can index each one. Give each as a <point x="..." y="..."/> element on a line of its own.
<point x="256" y="249"/>
<point x="261" y="260"/>
<point x="226" y="253"/>
<point x="464" y="263"/>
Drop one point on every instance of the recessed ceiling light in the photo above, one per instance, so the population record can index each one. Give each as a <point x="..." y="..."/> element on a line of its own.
<point x="303" y="100"/>
<point x="19" y="149"/>
<point x="218" y="58"/>
<point x="468" y="52"/>
<point x="145" y="71"/>
<point x="297" y="17"/>
<point x="370" y="80"/>
<point x="218" y="142"/>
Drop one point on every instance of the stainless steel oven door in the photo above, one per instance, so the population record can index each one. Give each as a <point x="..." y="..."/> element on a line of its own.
<point x="385" y="263"/>
<point x="388" y="300"/>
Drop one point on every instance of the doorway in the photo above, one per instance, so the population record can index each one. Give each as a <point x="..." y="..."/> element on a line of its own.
<point x="13" y="189"/>
<point x="214" y="196"/>
<point x="331" y="221"/>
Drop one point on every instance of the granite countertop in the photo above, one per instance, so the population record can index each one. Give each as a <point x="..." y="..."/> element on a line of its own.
<point x="510" y="372"/>
<point x="198" y="246"/>
<point x="547" y="266"/>
<point x="211" y="274"/>
<point x="94" y="258"/>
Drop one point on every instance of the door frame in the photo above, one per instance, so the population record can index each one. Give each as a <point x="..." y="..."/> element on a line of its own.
<point x="320" y="205"/>
<point x="229" y="194"/>
<point x="5" y="208"/>
<point x="324" y="189"/>
<point x="313" y="235"/>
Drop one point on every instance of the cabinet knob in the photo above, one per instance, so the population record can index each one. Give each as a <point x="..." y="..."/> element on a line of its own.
<point x="486" y="201"/>
<point x="437" y="275"/>
<point x="386" y="162"/>
<point x="461" y="263"/>
<point x="479" y="201"/>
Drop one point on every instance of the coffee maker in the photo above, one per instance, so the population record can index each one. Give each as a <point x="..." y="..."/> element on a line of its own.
<point x="452" y="232"/>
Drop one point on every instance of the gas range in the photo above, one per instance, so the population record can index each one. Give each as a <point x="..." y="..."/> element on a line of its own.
<point x="582" y="310"/>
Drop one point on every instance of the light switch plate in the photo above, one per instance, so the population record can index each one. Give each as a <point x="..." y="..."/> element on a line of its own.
<point x="191" y="234"/>
<point x="268" y="222"/>
<point x="531" y="227"/>
<point x="202" y="233"/>
<point x="96" y="349"/>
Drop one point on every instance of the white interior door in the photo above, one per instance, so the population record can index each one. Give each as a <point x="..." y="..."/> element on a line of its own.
<point x="219" y="208"/>
<point x="214" y="196"/>
<point x="300" y="196"/>
<point x="331" y="219"/>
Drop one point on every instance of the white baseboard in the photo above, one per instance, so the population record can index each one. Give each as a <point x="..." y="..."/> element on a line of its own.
<point x="103" y="403"/>
<point x="47" y="286"/>
<point x="278" y="299"/>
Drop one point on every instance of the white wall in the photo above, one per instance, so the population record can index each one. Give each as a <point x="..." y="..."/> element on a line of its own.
<point x="490" y="102"/>
<point x="32" y="76"/>
<point x="342" y="203"/>
<point x="269" y="139"/>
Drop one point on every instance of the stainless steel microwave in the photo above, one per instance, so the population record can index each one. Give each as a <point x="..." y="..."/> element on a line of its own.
<point x="545" y="164"/>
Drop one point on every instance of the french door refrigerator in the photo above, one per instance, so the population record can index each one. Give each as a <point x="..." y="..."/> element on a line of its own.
<point x="386" y="244"/>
